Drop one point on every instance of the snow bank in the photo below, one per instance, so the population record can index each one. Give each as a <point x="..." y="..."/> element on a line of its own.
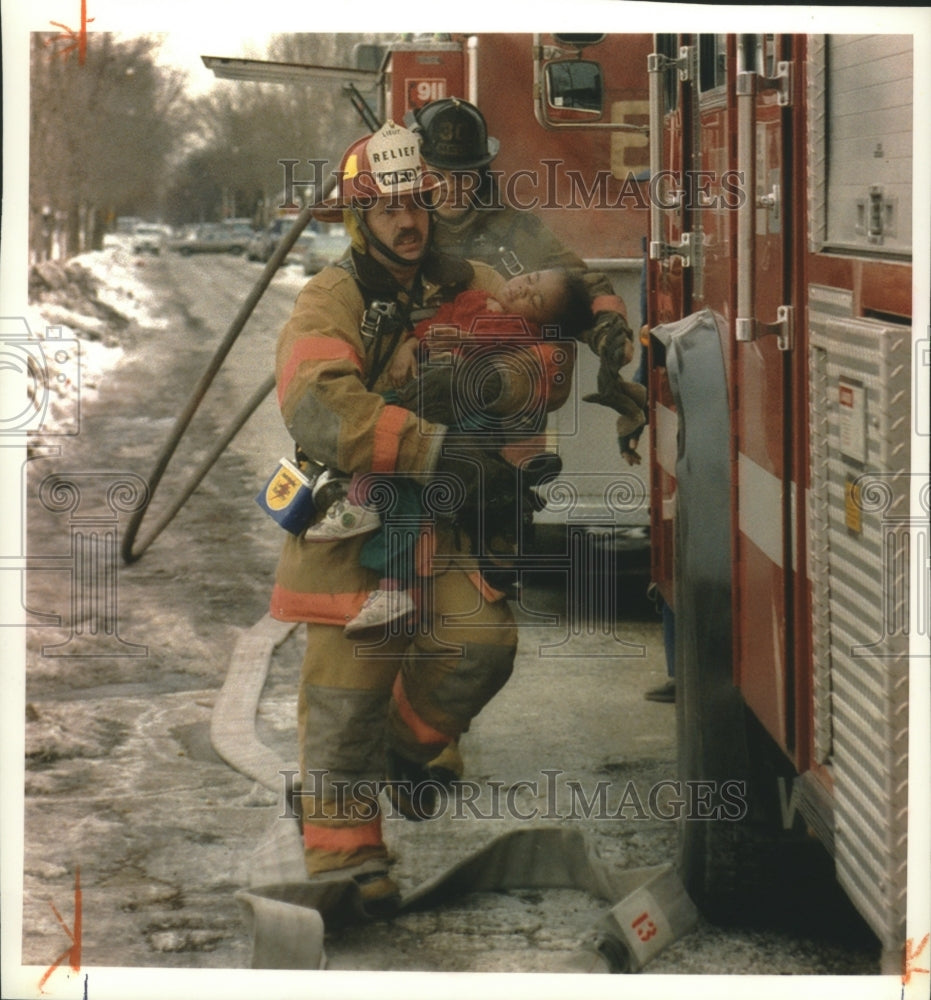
<point x="78" y="312"/>
<point x="116" y="269"/>
<point x="87" y="304"/>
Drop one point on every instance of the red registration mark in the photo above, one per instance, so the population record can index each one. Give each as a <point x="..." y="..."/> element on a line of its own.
<point x="73" y="952"/>
<point x="69" y="40"/>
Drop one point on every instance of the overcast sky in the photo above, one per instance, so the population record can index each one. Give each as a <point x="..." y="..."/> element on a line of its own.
<point x="184" y="49"/>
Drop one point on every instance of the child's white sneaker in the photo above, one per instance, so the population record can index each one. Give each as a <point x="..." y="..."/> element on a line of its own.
<point x="381" y="608"/>
<point x="343" y="520"/>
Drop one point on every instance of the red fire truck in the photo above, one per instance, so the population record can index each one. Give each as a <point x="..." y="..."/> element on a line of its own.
<point x="766" y="180"/>
<point x="780" y="297"/>
<point x="781" y="382"/>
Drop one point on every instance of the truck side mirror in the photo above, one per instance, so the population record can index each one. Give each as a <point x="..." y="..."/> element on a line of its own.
<point x="574" y="91"/>
<point x="579" y="41"/>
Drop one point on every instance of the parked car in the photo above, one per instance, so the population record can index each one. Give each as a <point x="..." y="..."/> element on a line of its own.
<point x="147" y="238"/>
<point x="325" y="248"/>
<point x="238" y="234"/>
<point x="214" y="237"/>
<point x="263" y="243"/>
<point x="301" y="246"/>
<point x="257" y="246"/>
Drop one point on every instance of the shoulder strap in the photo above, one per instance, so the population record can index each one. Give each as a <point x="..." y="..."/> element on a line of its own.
<point x="387" y="328"/>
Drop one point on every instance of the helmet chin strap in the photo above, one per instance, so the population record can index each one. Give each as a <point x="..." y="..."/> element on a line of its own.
<point x="373" y="241"/>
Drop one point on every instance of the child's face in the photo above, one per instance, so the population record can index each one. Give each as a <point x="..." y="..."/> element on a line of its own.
<point x="537" y="296"/>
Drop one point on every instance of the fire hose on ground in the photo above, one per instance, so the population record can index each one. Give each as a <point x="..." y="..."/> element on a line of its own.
<point x="288" y="916"/>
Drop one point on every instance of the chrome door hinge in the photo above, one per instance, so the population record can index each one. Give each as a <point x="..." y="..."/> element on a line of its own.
<point x="747" y="329"/>
<point x="688" y="249"/>
<point x="752" y="83"/>
<point x="657" y="62"/>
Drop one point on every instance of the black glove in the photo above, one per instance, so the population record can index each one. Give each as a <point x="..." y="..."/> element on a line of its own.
<point x="612" y="339"/>
<point x="483" y="503"/>
<point x="430" y="394"/>
<point x="629" y="399"/>
<point x="449" y="392"/>
<point x="481" y="476"/>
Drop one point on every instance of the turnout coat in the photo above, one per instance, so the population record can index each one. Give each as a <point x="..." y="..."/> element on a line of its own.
<point x="330" y="389"/>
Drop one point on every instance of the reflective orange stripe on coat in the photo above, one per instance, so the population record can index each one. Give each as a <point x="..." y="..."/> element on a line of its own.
<point x="315" y="349"/>
<point x="558" y="361"/>
<point x="609" y="303"/>
<point x="391" y="423"/>
<point x="326" y="609"/>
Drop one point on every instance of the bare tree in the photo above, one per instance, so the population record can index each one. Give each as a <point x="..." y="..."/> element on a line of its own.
<point x="249" y="128"/>
<point x="117" y="134"/>
<point x="102" y="133"/>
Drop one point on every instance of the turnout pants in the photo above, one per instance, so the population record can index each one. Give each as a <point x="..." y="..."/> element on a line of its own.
<point x="410" y="694"/>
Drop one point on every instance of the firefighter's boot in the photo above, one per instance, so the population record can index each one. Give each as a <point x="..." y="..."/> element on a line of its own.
<point x="343" y="841"/>
<point x="417" y="791"/>
<point x="411" y="788"/>
<point x="448" y="766"/>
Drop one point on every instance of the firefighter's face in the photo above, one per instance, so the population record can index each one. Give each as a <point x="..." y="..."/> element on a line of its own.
<point x="538" y="296"/>
<point x="453" y="198"/>
<point x="402" y="223"/>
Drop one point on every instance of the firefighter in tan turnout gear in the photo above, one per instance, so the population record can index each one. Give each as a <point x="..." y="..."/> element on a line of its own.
<point x="384" y="710"/>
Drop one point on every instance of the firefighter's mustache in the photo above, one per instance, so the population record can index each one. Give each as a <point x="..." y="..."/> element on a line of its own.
<point x="407" y="236"/>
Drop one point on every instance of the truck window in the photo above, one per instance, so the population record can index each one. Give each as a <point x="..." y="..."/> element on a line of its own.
<point x="868" y="168"/>
<point x="668" y="46"/>
<point x="712" y="62"/>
